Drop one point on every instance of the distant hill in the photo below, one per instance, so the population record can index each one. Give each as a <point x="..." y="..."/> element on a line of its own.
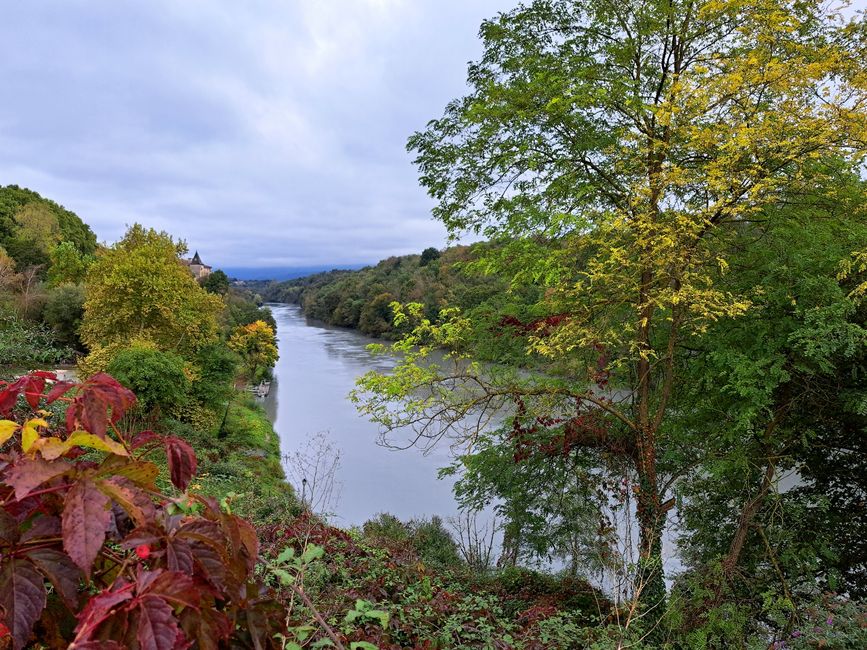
<point x="31" y="225"/>
<point x="360" y="298"/>
<point x="281" y="273"/>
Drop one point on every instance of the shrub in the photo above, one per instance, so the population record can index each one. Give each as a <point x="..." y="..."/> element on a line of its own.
<point x="128" y="566"/>
<point x="156" y="377"/>
<point x="64" y="308"/>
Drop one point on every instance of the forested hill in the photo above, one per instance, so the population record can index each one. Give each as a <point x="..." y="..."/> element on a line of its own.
<point x="360" y="299"/>
<point x="31" y="226"/>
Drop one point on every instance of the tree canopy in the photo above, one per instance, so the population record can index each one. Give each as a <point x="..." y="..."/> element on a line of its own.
<point x="620" y="154"/>
<point x="138" y="288"/>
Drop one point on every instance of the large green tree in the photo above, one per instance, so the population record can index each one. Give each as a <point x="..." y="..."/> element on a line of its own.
<point x="138" y="289"/>
<point x="614" y="149"/>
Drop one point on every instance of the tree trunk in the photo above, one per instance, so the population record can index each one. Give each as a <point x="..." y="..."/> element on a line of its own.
<point x="650" y="576"/>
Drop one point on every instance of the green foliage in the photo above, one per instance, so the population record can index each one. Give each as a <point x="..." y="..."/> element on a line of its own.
<point x="428" y="538"/>
<point x="63" y="311"/>
<point x="31" y="226"/>
<point x="428" y="255"/>
<point x="360" y="299"/>
<point x="28" y="344"/>
<point x="68" y="264"/>
<point x="217" y="282"/>
<point x="215" y="369"/>
<point x="156" y="377"/>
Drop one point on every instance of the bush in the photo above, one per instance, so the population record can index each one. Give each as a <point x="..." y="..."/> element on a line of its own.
<point x="157" y="377"/>
<point x="27" y="344"/>
<point x="128" y="566"/>
<point x="63" y="310"/>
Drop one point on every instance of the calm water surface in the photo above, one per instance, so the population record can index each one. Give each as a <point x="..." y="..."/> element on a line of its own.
<point x="317" y="368"/>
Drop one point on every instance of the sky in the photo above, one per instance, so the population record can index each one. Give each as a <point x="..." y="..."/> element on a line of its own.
<point x="266" y="133"/>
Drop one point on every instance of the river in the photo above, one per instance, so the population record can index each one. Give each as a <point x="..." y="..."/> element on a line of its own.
<point x="317" y="369"/>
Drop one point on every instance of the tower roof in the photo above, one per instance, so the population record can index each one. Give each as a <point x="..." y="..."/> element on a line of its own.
<point x="196" y="259"/>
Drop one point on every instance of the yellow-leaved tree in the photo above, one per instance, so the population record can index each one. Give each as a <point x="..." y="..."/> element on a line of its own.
<point x="138" y="289"/>
<point x="616" y="151"/>
<point x="256" y="343"/>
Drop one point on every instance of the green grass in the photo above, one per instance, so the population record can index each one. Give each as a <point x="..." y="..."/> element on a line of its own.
<point x="243" y="464"/>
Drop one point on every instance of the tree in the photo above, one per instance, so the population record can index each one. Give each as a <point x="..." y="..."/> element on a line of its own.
<point x="139" y="289"/>
<point x="217" y="282"/>
<point x="31" y="225"/>
<point x="68" y="264"/>
<point x="428" y="255"/>
<point x="614" y="150"/>
<point x="257" y="345"/>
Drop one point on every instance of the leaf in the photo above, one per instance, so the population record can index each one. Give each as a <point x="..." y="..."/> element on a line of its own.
<point x="362" y="645"/>
<point x="210" y="627"/>
<point x="7" y="428"/>
<point x="311" y="553"/>
<point x="143" y="438"/>
<point x="9" y="531"/>
<point x="43" y="526"/>
<point x="57" y="391"/>
<point x="182" y="461"/>
<point x="128" y="496"/>
<point x="140" y="472"/>
<point x="29" y="473"/>
<point x="86" y="516"/>
<point x="61" y="571"/>
<point x="29" y="434"/>
<point x="97" y="609"/>
<point x="85" y="439"/>
<point x="157" y="627"/>
<point x="22" y="597"/>
<point x="179" y="556"/>
<point x="175" y="587"/>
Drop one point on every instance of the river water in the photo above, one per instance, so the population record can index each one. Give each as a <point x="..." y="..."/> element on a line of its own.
<point x="317" y="369"/>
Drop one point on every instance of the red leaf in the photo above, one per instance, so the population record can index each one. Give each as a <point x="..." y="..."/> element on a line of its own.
<point x="29" y="473"/>
<point x="142" y="438"/>
<point x="43" y="526"/>
<point x="60" y="570"/>
<point x="58" y="390"/>
<point x="22" y="597"/>
<point x="9" y="532"/>
<point x="96" y="611"/>
<point x="175" y="587"/>
<point x="157" y="627"/>
<point x="148" y="535"/>
<point x="179" y="556"/>
<point x="86" y="516"/>
<point x="209" y="627"/>
<point x="100" y="400"/>
<point x="182" y="461"/>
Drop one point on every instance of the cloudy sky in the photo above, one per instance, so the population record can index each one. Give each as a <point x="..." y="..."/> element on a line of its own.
<point x="264" y="132"/>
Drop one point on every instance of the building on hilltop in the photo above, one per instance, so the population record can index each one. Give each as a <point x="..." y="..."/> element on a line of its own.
<point x="199" y="269"/>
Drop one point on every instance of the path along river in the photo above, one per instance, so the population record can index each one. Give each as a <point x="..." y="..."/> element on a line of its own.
<point x="317" y="368"/>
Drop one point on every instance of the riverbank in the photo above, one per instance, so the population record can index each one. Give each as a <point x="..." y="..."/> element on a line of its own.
<point x="241" y="464"/>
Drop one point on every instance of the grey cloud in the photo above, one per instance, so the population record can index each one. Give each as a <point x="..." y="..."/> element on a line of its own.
<point x="265" y="133"/>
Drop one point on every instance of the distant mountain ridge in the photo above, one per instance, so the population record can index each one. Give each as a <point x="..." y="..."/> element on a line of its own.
<point x="282" y="273"/>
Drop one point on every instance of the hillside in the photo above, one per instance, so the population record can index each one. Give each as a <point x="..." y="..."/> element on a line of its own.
<point x="30" y="226"/>
<point x="360" y="299"/>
